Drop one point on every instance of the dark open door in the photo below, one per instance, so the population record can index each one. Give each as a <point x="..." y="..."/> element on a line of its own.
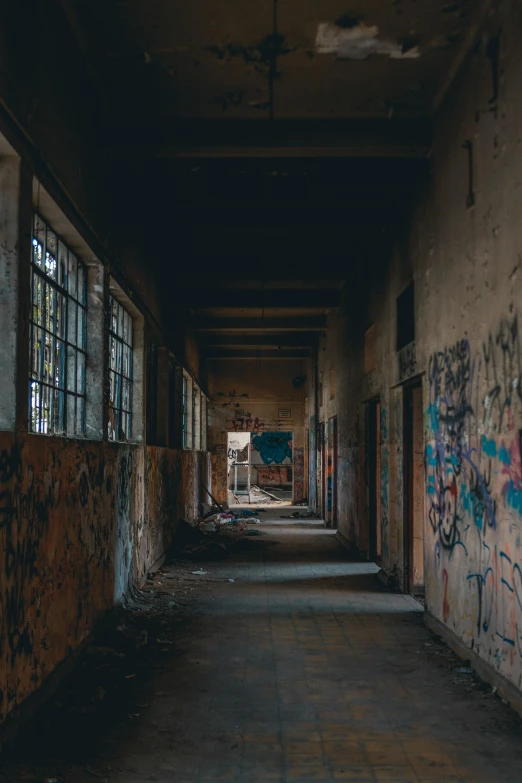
<point x="373" y="413"/>
<point x="323" y="470"/>
<point x="331" y="474"/>
<point x="413" y="490"/>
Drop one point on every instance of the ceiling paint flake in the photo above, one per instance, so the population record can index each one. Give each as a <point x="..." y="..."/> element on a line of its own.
<point x="359" y="42"/>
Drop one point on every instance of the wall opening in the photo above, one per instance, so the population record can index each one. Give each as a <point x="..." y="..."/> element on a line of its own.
<point x="260" y="467"/>
<point x="373" y="471"/>
<point x="331" y="473"/>
<point x="413" y="490"/>
<point x="322" y="469"/>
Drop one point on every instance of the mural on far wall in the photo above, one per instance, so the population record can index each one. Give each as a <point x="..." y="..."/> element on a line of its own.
<point x="272" y="448"/>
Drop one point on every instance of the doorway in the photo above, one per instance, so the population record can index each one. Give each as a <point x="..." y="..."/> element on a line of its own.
<point x="322" y="434"/>
<point x="331" y="474"/>
<point x="373" y="470"/>
<point x="260" y="467"/>
<point x="413" y="490"/>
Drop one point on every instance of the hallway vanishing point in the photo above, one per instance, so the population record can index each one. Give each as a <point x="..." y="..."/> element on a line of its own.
<point x="303" y="668"/>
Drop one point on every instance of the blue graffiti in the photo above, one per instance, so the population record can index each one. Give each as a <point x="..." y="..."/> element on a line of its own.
<point x="273" y="447"/>
<point x="489" y="447"/>
<point x="433" y="416"/>
<point x="514" y="497"/>
<point x="504" y="455"/>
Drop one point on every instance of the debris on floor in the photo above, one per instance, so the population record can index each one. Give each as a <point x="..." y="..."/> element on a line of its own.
<point x="299" y="515"/>
<point x="162" y="693"/>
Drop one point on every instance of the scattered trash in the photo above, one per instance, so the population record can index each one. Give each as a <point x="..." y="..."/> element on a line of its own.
<point x="230" y="580"/>
<point x="208" y="527"/>
<point x="264" y="492"/>
<point x="465" y="670"/>
<point x="200" y="572"/>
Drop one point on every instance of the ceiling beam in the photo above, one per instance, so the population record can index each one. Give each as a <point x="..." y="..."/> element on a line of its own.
<point x="259" y="298"/>
<point x="315" y="323"/>
<point x="363" y="214"/>
<point x="254" y="353"/>
<point x="276" y="340"/>
<point x="290" y="138"/>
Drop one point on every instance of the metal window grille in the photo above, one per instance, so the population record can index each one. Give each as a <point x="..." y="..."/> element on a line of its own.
<point x="195" y="417"/>
<point x="203" y="423"/>
<point x="120" y="371"/>
<point x="186" y="434"/>
<point x="58" y="336"/>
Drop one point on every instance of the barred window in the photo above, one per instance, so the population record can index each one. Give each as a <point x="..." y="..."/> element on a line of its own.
<point x="187" y="418"/>
<point x="203" y="423"/>
<point x="58" y="336"/>
<point x="120" y="347"/>
<point x="196" y="401"/>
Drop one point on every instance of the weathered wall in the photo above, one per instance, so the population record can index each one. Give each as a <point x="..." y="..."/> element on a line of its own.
<point x="267" y="387"/>
<point x="80" y="522"/>
<point x="465" y="260"/>
<point x="470" y="284"/>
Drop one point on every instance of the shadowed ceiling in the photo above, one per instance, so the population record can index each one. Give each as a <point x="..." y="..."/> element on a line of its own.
<point x="286" y="58"/>
<point x="274" y="148"/>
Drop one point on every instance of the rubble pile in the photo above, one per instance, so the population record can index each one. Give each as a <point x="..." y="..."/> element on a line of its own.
<point x="214" y="532"/>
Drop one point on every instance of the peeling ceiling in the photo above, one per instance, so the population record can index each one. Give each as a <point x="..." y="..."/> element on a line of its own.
<point x="280" y="58"/>
<point x="270" y="217"/>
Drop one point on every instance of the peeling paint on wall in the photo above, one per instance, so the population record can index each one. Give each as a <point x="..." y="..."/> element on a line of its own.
<point x="80" y="522"/>
<point x="358" y="42"/>
<point x="474" y="491"/>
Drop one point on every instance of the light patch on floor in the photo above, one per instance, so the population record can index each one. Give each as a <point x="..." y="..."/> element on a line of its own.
<point x="359" y="42"/>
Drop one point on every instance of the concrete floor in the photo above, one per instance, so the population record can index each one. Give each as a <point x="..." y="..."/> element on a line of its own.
<point x="302" y="669"/>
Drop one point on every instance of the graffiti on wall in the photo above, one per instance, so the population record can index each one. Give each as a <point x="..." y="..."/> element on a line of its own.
<point x="407" y="362"/>
<point x="243" y="421"/>
<point x="274" y="475"/>
<point x="274" y="448"/>
<point x="473" y="463"/>
<point x="299" y="491"/>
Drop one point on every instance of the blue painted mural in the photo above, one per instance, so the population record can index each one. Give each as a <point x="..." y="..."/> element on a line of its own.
<point x="275" y="448"/>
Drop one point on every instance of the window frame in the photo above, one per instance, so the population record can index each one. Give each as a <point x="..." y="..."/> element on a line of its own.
<point x="194" y="408"/>
<point x="58" y="329"/>
<point x="203" y="422"/>
<point x="186" y="408"/>
<point x="118" y="340"/>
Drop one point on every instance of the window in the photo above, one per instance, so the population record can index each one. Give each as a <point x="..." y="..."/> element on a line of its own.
<point x="196" y="407"/>
<point x="194" y="416"/>
<point x="58" y="336"/>
<point x="187" y="415"/>
<point x="203" y="423"/>
<point x="405" y="317"/>
<point x="120" y="347"/>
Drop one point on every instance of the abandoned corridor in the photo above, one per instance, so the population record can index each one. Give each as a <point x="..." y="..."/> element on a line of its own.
<point x="251" y="253"/>
<point x="303" y="668"/>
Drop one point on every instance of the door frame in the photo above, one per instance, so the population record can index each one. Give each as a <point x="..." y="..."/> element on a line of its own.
<point x="373" y="480"/>
<point x="408" y="472"/>
<point x="323" y="435"/>
<point x="333" y="453"/>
